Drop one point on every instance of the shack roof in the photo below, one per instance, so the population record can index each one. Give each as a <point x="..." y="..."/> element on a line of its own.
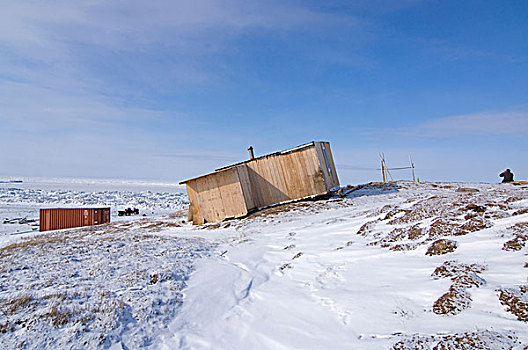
<point x="291" y="150"/>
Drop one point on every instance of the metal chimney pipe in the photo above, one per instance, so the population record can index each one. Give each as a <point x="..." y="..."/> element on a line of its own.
<point x="251" y="154"/>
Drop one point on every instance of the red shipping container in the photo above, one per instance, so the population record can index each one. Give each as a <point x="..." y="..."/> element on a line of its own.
<point x="61" y="218"/>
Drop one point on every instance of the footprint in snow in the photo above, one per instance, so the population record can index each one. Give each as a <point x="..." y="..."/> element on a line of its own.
<point x="286" y="266"/>
<point x="298" y="255"/>
<point x="241" y="266"/>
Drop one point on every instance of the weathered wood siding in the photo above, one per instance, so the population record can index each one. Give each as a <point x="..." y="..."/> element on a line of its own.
<point x="235" y="191"/>
<point x="326" y="163"/>
<point x="247" y="189"/>
<point x="284" y="177"/>
<point x="216" y="197"/>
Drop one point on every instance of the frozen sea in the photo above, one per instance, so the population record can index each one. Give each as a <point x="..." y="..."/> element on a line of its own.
<point x="23" y="200"/>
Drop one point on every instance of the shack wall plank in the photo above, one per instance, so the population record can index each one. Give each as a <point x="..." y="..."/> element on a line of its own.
<point x="210" y="194"/>
<point x="296" y="169"/>
<point x="231" y="194"/>
<point x="257" y="184"/>
<point x="271" y="192"/>
<point x="317" y="173"/>
<point x="306" y="166"/>
<point x="287" y="175"/>
<point x="195" y="207"/>
<point x="246" y="187"/>
<point x="278" y="179"/>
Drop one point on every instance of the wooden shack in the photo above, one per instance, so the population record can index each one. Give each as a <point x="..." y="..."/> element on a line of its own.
<point x="239" y="189"/>
<point x="61" y="218"/>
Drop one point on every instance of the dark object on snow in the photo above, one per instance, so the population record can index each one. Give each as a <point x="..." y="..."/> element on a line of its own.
<point x="466" y="189"/>
<point x="507" y="175"/>
<point x="19" y="221"/>
<point x="128" y="212"/>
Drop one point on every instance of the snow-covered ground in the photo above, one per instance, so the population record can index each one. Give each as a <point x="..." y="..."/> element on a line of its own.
<point x="20" y="201"/>
<point x="403" y="266"/>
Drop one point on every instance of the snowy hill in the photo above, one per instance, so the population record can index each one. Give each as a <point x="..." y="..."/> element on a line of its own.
<point x="403" y="266"/>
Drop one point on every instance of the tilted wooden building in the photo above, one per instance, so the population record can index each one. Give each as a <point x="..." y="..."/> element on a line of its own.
<point x="239" y="189"/>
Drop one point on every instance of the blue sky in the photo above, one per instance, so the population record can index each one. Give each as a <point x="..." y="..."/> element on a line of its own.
<point x="168" y="90"/>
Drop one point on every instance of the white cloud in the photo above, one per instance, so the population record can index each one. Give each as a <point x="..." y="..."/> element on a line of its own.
<point x="487" y="123"/>
<point x="29" y="108"/>
<point x="483" y="123"/>
<point x="104" y="47"/>
<point x="53" y="25"/>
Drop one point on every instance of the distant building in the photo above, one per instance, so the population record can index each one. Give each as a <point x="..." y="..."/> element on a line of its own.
<point x="239" y="189"/>
<point x="61" y="218"/>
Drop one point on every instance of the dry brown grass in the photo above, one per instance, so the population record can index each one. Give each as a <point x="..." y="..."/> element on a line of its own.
<point x="468" y="280"/>
<point x="499" y="215"/>
<point x="464" y="276"/>
<point x="211" y="226"/>
<point x="518" y="242"/>
<point x="472" y="225"/>
<point x="453" y="268"/>
<point x="470" y="340"/>
<point x="520" y="227"/>
<point x="520" y="212"/>
<point x="72" y="274"/>
<point x="474" y="207"/>
<point x="367" y="228"/>
<point x="59" y="316"/>
<point x="441" y="246"/>
<point x="409" y="232"/>
<point x="467" y="190"/>
<point x="515" y="299"/>
<point x="442" y="227"/>
<point x="37" y="241"/>
<point x="173" y="224"/>
<point x="158" y="225"/>
<point x="10" y="306"/>
<point x="404" y="247"/>
<point x="453" y="302"/>
<point x="513" y="199"/>
<point x="178" y="214"/>
<point x="424" y="209"/>
<point x="281" y="208"/>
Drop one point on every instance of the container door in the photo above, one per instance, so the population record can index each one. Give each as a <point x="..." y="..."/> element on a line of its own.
<point x="86" y="217"/>
<point x="47" y="221"/>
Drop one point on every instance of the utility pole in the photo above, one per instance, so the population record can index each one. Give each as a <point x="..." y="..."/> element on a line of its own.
<point x="385" y="173"/>
<point x="412" y="168"/>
